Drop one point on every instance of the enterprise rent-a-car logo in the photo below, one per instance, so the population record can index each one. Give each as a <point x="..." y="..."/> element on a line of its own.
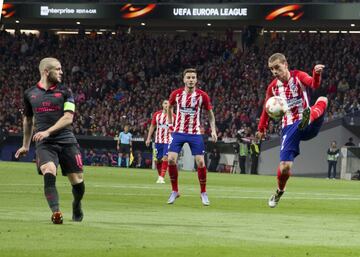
<point x="45" y="11"/>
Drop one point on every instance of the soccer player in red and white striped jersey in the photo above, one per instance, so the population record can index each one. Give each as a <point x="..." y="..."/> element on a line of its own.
<point x="189" y="101"/>
<point x="301" y="122"/>
<point x="162" y="139"/>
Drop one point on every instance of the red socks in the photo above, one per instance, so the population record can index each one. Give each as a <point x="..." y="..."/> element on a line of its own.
<point x="318" y="109"/>
<point x="158" y="167"/>
<point x="164" y="167"/>
<point x="173" y="173"/>
<point x="282" y="179"/>
<point x="202" y="178"/>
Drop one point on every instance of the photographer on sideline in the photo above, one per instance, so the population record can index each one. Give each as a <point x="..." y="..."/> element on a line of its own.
<point x="255" y="153"/>
<point x="243" y="151"/>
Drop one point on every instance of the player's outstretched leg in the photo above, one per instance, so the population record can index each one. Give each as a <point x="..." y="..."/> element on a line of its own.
<point x="318" y="109"/>
<point x="78" y="191"/>
<point x="282" y="177"/>
<point x="173" y="173"/>
<point x="313" y="113"/>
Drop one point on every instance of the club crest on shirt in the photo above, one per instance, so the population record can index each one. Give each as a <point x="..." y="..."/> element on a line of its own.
<point x="193" y="101"/>
<point x="292" y="85"/>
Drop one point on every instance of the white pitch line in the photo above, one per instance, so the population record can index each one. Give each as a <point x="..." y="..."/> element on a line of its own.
<point x="193" y="189"/>
<point x="290" y="197"/>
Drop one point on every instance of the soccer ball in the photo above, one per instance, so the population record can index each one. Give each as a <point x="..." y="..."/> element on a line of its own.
<point x="276" y="107"/>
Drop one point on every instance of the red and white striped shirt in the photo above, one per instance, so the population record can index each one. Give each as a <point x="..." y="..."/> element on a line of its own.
<point x="188" y="109"/>
<point x="294" y="92"/>
<point x="162" y="134"/>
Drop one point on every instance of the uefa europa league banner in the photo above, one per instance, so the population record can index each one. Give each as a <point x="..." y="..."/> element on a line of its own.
<point x="266" y="12"/>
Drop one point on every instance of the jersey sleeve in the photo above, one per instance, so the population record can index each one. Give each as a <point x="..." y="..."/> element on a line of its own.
<point x="207" y="102"/>
<point x="172" y="97"/>
<point x="313" y="82"/>
<point x="264" y="118"/>
<point x="28" y="112"/>
<point x="69" y="102"/>
<point x="153" y="120"/>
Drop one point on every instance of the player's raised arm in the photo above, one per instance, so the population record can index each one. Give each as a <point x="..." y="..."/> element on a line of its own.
<point x="264" y="118"/>
<point x="315" y="80"/>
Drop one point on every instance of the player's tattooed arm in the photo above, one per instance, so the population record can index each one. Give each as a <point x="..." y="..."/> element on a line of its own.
<point x="212" y="125"/>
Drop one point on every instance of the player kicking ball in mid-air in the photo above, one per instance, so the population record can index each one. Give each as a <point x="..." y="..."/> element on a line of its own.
<point x="51" y="108"/>
<point x="189" y="101"/>
<point x="162" y="138"/>
<point x="301" y="122"/>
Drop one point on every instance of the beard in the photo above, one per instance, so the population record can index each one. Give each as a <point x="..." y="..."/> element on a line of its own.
<point x="53" y="79"/>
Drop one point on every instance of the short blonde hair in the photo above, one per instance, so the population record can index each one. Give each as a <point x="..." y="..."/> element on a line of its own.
<point x="47" y="63"/>
<point x="277" y="56"/>
<point x="190" y="70"/>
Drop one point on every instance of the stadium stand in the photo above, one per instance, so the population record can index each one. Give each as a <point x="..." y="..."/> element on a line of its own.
<point x="121" y="79"/>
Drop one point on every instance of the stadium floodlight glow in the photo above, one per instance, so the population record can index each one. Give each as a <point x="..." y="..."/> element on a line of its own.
<point x="209" y="24"/>
<point x="323" y="31"/>
<point x="312" y="31"/>
<point x="17" y="21"/>
<point x="352" y="25"/>
<point x="143" y="24"/>
<point x="11" y="31"/>
<point x="334" y="31"/>
<point x="344" y="31"/>
<point x="67" y="32"/>
<point x="78" y="23"/>
<point x="294" y="31"/>
<point x="354" y="32"/>
<point x="29" y="31"/>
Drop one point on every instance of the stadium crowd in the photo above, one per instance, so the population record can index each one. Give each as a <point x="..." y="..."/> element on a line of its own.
<point x="122" y="79"/>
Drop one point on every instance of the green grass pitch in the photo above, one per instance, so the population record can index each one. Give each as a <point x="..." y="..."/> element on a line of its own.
<point x="126" y="215"/>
